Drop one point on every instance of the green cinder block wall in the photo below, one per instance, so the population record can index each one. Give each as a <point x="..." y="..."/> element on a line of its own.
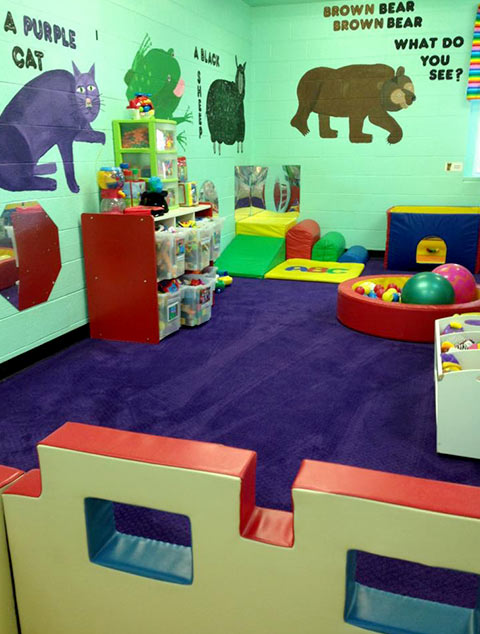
<point x="347" y="187"/>
<point x="108" y="34"/>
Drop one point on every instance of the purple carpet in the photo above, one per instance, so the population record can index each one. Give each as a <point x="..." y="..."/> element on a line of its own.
<point x="272" y="371"/>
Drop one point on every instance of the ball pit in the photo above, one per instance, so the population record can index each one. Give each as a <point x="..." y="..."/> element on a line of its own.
<point x="393" y="320"/>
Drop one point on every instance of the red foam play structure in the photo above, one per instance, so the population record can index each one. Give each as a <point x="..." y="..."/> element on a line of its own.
<point x="405" y="322"/>
<point x="301" y="238"/>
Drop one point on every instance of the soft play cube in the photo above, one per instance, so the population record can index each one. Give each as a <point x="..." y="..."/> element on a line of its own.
<point x="301" y="238"/>
<point x="329" y="248"/>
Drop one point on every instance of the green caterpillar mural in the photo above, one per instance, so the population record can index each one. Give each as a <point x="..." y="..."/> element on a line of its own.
<point x="157" y="72"/>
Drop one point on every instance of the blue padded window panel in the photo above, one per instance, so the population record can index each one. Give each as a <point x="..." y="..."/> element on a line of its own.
<point x="135" y="554"/>
<point x="376" y="610"/>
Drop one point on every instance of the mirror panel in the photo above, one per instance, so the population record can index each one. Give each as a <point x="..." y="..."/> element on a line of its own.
<point x="29" y="254"/>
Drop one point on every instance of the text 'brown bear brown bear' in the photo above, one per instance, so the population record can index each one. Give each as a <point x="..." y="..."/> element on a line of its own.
<point x="357" y="92"/>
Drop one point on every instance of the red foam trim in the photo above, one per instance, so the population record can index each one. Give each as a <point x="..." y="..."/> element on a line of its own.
<point x="405" y="322"/>
<point x="270" y="526"/>
<point x="30" y="485"/>
<point x="172" y="452"/>
<point x="8" y="475"/>
<point x="427" y="495"/>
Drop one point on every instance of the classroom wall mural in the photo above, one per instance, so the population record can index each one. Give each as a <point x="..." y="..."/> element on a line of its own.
<point x="55" y="108"/>
<point x="225" y="110"/>
<point x="357" y="92"/>
<point x="157" y="72"/>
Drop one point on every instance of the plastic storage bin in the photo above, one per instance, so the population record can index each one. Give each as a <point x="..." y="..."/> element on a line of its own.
<point x="198" y="247"/>
<point x="196" y="304"/>
<point x="179" y="263"/>
<point x="457" y="394"/>
<point x="169" y="313"/>
<point x="166" y="255"/>
<point x="215" y="250"/>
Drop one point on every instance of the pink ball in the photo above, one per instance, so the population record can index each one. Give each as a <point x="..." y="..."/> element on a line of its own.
<point x="461" y="279"/>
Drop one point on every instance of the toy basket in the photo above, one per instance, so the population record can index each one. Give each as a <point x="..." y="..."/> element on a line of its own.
<point x="197" y="247"/>
<point x="215" y="249"/>
<point x="179" y="263"/>
<point x="196" y="305"/>
<point x="166" y="255"/>
<point x="169" y="313"/>
<point x="457" y="393"/>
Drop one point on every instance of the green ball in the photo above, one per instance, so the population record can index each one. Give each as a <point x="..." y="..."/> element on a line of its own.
<point x="428" y="288"/>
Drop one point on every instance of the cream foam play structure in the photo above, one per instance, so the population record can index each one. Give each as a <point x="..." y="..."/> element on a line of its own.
<point x="248" y="569"/>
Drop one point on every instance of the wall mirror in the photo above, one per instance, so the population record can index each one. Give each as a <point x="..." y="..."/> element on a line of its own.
<point x="29" y="254"/>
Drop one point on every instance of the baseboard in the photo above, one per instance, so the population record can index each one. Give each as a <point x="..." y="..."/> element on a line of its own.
<point x="23" y="361"/>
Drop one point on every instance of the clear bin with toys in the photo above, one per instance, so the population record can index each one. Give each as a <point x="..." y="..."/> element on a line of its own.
<point x="457" y="384"/>
<point x="197" y="296"/>
<point x="166" y="254"/>
<point x="169" y="312"/>
<point x="217" y="225"/>
<point x="179" y="263"/>
<point x="197" y="247"/>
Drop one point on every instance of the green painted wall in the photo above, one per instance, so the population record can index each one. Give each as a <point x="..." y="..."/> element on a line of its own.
<point x="219" y="27"/>
<point x="344" y="186"/>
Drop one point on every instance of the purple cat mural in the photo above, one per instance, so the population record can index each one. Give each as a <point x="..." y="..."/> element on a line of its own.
<point x="55" y="108"/>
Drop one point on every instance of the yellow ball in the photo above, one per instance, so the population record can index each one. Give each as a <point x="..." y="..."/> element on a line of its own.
<point x="388" y="295"/>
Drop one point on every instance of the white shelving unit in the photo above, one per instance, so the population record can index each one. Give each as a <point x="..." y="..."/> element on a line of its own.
<point x="457" y="394"/>
<point x="180" y="213"/>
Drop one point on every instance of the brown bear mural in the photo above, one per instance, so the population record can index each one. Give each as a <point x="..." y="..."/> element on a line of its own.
<point x="357" y="92"/>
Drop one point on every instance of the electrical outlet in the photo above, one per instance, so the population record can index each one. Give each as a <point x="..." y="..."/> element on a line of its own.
<point x="453" y="167"/>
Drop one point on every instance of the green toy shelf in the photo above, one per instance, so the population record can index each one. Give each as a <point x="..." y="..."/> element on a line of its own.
<point x="149" y="145"/>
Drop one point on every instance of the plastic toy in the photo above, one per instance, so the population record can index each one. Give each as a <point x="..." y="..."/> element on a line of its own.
<point x="111" y="181"/>
<point x="182" y="169"/>
<point x="428" y="288"/>
<point x="155" y="196"/>
<point x="461" y="279"/>
<point x="141" y="106"/>
<point x="188" y="193"/>
<point x="457" y="227"/>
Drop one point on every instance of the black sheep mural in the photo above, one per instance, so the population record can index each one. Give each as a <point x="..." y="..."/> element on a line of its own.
<point x="225" y="115"/>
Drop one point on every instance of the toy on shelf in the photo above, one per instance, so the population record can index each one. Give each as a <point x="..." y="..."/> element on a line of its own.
<point x="135" y="137"/>
<point x="165" y="140"/>
<point x="182" y="169"/>
<point x="155" y="196"/>
<point x="188" y="194"/>
<point x="111" y="181"/>
<point x="141" y="106"/>
<point x="133" y="187"/>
